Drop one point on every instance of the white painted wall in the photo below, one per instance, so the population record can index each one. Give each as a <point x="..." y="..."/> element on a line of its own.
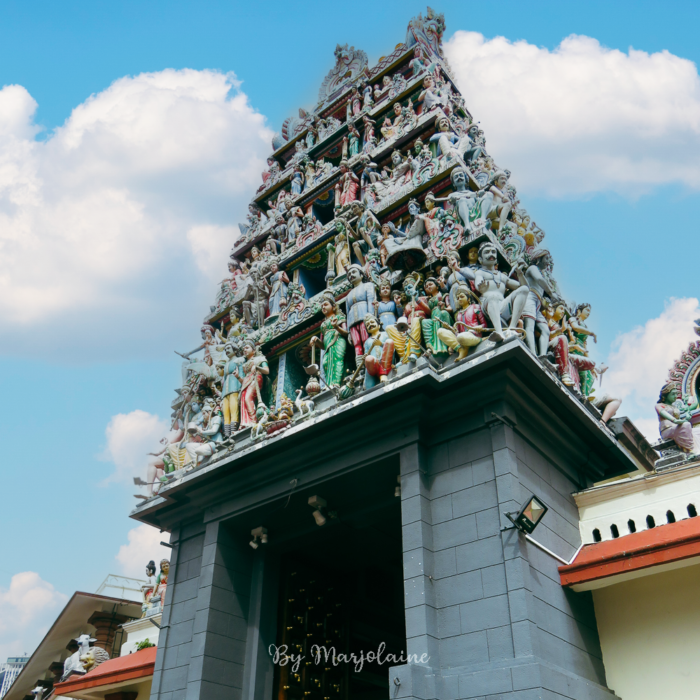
<point x="650" y="635"/>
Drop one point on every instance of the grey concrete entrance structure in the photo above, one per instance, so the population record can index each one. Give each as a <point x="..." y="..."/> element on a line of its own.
<point x="484" y="606"/>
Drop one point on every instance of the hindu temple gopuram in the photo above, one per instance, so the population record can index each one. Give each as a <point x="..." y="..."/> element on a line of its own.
<point x="390" y="394"/>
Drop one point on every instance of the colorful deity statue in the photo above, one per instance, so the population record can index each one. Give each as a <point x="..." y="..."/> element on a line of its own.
<point x="340" y="249"/>
<point x="386" y="308"/>
<point x="209" y="435"/>
<point x="578" y="345"/>
<point x="297" y="180"/>
<point x="432" y="96"/>
<point x="471" y="206"/>
<point x="369" y="140"/>
<point x="254" y="369"/>
<point x="353" y="141"/>
<point x="500" y="205"/>
<point x="407" y="342"/>
<point x="439" y="317"/>
<point x="368" y="228"/>
<point x="346" y="189"/>
<point x="231" y="389"/>
<point x="674" y="418"/>
<point x="148" y="589"/>
<point x="491" y="285"/>
<point x="533" y="319"/>
<point x="450" y="145"/>
<point x="408" y="254"/>
<point x="418" y="63"/>
<point x="333" y="341"/>
<point x="468" y="326"/>
<point x="278" y="282"/>
<point x="358" y="303"/>
<point x="378" y="353"/>
<point x="457" y="275"/>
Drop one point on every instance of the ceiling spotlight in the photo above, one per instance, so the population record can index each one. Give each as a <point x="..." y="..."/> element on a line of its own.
<point x="317" y="503"/>
<point x="259" y="536"/>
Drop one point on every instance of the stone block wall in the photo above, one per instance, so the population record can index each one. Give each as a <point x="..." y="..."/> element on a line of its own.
<point x="202" y="645"/>
<point x="486" y="607"/>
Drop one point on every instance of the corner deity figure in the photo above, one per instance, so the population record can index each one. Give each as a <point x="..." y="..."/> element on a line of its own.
<point x="674" y="418"/>
<point x="491" y="285"/>
<point x="358" y="303"/>
<point x="231" y="388"/>
<point x="533" y="317"/>
<point x="379" y="353"/>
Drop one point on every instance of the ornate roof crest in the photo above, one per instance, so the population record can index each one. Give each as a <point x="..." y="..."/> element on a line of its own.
<point x="350" y="63"/>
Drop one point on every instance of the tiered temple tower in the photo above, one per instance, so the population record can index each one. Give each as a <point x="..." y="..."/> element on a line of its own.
<point x="390" y="281"/>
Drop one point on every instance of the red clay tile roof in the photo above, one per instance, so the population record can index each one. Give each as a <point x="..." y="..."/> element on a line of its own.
<point x="140" y="664"/>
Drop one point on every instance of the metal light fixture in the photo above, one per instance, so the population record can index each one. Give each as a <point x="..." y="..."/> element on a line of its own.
<point x="317" y="503"/>
<point x="259" y="537"/>
<point x="529" y="516"/>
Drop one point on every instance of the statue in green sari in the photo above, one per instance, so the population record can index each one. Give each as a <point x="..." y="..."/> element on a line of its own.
<point x="580" y="332"/>
<point x="332" y="339"/>
<point x="438" y="315"/>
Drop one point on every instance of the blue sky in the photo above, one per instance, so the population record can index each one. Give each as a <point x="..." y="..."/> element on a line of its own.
<point x="67" y="367"/>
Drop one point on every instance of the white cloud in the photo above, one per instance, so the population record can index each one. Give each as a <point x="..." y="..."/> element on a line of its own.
<point x="112" y="221"/>
<point x="143" y="546"/>
<point x="582" y="118"/>
<point x="640" y="359"/>
<point x="130" y="437"/>
<point x="27" y="610"/>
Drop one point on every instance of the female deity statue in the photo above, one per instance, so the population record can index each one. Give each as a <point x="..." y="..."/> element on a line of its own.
<point x="278" y="288"/>
<point x="439" y="317"/>
<point x="368" y="139"/>
<point x="148" y="589"/>
<point x="310" y="174"/>
<point x="161" y="583"/>
<point x="333" y="340"/>
<point x="469" y="324"/>
<point x="578" y="345"/>
<point x="353" y="141"/>
<point x="340" y="248"/>
<point x="674" y="418"/>
<point x="297" y="181"/>
<point x="346" y="189"/>
<point x="386" y="309"/>
<point x="418" y="63"/>
<point x="388" y="241"/>
<point x="367" y="96"/>
<point x="254" y="368"/>
<point x="356" y="101"/>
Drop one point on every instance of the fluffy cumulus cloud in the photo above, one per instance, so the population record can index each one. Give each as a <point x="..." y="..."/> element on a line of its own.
<point x="119" y="223"/>
<point x="27" y="610"/>
<point x="130" y="437"/>
<point x="144" y="545"/>
<point x="640" y="359"/>
<point x="582" y="118"/>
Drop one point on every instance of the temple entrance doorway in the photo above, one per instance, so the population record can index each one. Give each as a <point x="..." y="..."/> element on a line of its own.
<point x="341" y="593"/>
